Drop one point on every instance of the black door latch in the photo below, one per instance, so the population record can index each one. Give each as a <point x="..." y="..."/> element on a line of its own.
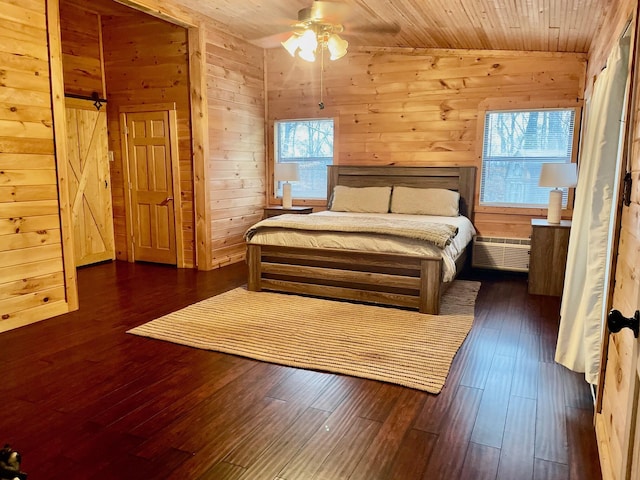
<point x="616" y="322"/>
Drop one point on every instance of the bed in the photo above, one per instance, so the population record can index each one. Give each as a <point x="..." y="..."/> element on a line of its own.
<point x="410" y="276"/>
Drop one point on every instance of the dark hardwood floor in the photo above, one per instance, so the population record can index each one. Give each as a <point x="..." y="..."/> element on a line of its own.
<point x="84" y="400"/>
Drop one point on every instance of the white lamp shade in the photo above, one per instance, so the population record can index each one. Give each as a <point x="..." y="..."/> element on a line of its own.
<point x="291" y="44"/>
<point x="337" y="47"/>
<point x="286" y="172"/>
<point x="307" y="55"/>
<point x="308" y="42"/>
<point x="558" y="175"/>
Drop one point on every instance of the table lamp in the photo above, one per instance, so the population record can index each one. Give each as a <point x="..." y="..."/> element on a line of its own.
<point x="557" y="176"/>
<point x="286" y="172"/>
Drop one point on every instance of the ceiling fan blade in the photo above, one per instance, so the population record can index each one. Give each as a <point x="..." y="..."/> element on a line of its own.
<point x="271" y="41"/>
<point x="386" y="28"/>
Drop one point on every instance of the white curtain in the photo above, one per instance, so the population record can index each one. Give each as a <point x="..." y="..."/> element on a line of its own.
<point x="581" y="312"/>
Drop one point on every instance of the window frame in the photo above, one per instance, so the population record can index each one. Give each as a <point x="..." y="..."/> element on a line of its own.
<point x="510" y="106"/>
<point x="277" y="200"/>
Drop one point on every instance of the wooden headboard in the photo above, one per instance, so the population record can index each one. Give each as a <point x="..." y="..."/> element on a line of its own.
<point x="460" y="179"/>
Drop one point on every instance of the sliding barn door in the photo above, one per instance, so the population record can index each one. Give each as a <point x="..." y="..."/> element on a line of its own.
<point x="151" y="154"/>
<point x="89" y="182"/>
<point x="634" y="430"/>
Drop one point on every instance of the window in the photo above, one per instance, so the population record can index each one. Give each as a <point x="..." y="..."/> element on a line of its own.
<point x="516" y="144"/>
<point x="309" y="143"/>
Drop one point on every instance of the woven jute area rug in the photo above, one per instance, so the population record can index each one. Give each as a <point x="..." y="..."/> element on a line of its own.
<point x="389" y="344"/>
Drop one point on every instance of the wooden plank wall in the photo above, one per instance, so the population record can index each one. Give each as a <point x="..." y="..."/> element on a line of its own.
<point x="422" y="107"/>
<point x="146" y="63"/>
<point x="235" y="95"/>
<point x="619" y="369"/>
<point x="620" y="13"/>
<point x="134" y="59"/>
<point x="81" y="37"/>
<point x="32" y="279"/>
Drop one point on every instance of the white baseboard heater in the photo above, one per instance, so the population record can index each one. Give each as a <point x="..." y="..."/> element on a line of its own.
<point x="501" y="253"/>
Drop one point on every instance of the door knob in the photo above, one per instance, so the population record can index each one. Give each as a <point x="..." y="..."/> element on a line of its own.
<point x="165" y="201"/>
<point x="616" y="322"/>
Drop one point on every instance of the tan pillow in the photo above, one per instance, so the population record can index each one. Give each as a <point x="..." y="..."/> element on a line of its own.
<point x="360" y="199"/>
<point x="425" y="201"/>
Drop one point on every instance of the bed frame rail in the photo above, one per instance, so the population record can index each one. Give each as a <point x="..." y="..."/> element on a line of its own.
<point x="380" y="278"/>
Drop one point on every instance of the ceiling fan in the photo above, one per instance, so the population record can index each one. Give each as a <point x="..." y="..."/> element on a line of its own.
<point x="318" y="28"/>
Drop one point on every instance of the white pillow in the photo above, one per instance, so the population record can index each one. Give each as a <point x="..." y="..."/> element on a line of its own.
<point x="360" y="199"/>
<point x="425" y="201"/>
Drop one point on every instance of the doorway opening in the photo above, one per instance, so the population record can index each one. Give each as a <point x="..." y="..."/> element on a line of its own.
<point x="139" y="63"/>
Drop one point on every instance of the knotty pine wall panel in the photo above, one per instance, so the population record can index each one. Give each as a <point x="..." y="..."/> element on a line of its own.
<point x="397" y="106"/>
<point x="236" y="166"/>
<point x="146" y="63"/>
<point x="32" y="280"/>
<point x="81" y="49"/>
<point x="620" y="14"/>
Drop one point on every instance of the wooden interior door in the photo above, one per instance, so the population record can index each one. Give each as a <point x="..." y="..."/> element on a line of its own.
<point x="89" y="182"/>
<point x="628" y="466"/>
<point x="617" y="401"/>
<point x="634" y="438"/>
<point x="151" y="156"/>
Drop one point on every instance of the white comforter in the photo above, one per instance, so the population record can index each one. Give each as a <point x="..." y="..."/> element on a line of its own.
<point x="375" y="242"/>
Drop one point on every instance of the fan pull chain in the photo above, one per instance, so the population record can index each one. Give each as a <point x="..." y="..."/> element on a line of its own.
<point x="321" y="104"/>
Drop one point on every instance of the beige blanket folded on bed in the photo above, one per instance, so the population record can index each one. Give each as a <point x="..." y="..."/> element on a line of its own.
<point x="436" y="233"/>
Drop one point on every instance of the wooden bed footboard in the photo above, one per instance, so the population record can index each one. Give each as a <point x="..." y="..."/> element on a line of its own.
<point x="381" y="278"/>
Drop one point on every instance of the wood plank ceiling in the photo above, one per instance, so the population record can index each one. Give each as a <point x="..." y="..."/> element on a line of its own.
<point x="534" y="25"/>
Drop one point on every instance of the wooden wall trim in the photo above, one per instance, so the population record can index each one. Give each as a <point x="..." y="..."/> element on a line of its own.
<point x="177" y="189"/>
<point x="60" y="140"/>
<point x="200" y="149"/>
<point x="467" y="52"/>
<point x="163" y="10"/>
<point x="127" y="191"/>
<point x="147" y="107"/>
<point x="494" y="104"/>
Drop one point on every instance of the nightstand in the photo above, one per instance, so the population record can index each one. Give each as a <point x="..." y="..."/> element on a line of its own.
<point x="549" y="245"/>
<point x="279" y="210"/>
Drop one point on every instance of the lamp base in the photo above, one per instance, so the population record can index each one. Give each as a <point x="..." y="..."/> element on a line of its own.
<point x="554" y="213"/>
<point x="287" y="202"/>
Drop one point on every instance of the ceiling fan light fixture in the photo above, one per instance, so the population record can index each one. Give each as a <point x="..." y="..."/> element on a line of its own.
<point x="308" y="42"/>
<point x="291" y="44"/>
<point x="308" y="55"/>
<point x="337" y="46"/>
